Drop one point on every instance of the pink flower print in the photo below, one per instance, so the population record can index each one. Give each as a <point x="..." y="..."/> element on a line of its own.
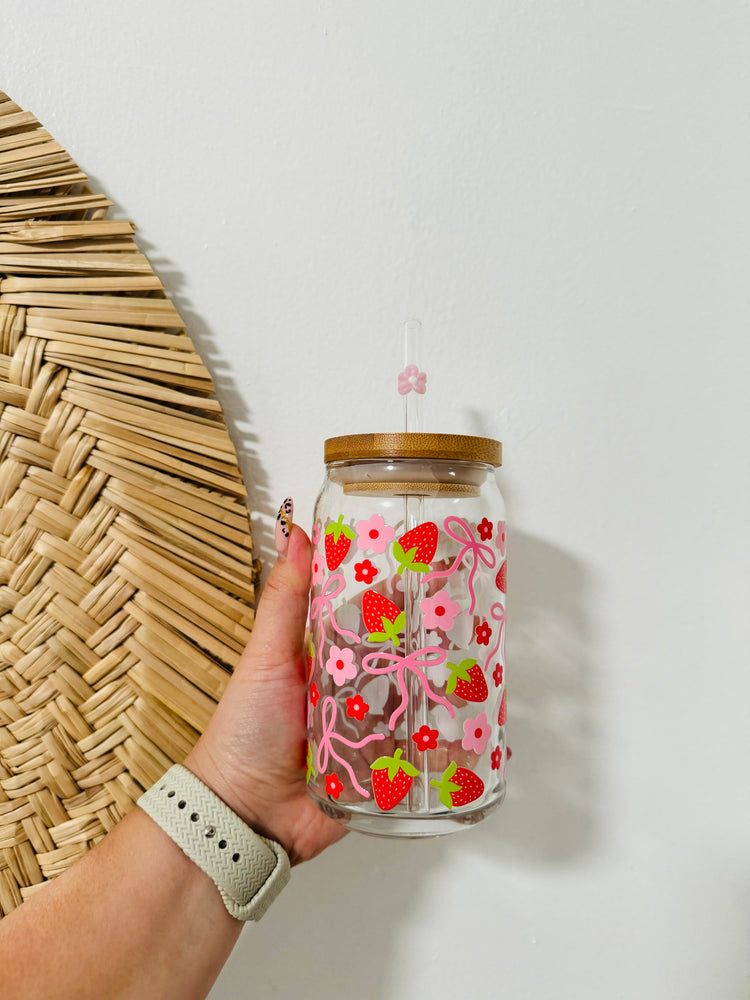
<point x="365" y="572"/>
<point x="318" y="567"/>
<point x="439" y="611"/>
<point x="497" y="674"/>
<point x="496" y="758"/>
<point x="483" y="634"/>
<point x="314" y="694"/>
<point x="412" y="378"/>
<point x="374" y="535"/>
<point x="340" y="665"/>
<point x="315" y="533"/>
<point x="501" y="537"/>
<point x="484" y="529"/>
<point x="476" y="733"/>
<point x="357" y="708"/>
<point x="334" y="785"/>
<point x="426" y="738"/>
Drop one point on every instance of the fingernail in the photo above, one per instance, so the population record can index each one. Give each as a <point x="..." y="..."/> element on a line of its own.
<point x="284" y="525"/>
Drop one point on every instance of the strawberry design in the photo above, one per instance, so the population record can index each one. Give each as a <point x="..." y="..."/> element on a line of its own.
<point x="382" y="618"/>
<point x="458" y="786"/>
<point x="338" y="541"/>
<point x="467" y="681"/>
<point x="502" y="714"/>
<point x="391" y="779"/>
<point x="309" y="769"/>
<point x="501" y="580"/>
<point x="416" y="549"/>
<point x="310" y="658"/>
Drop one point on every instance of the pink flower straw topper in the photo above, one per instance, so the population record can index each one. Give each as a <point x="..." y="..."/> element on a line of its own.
<point x="411" y="379"/>
<point x="412" y="382"/>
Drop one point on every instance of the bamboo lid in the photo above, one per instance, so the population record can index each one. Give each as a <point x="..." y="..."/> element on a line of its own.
<point x="449" y="447"/>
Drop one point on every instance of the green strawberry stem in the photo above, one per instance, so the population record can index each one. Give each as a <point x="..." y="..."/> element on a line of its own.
<point x="338" y="528"/>
<point x="459" y="672"/>
<point x="445" y="786"/>
<point x="391" y="630"/>
<point x="394" y="765"/>
<point x="405" y="560"/>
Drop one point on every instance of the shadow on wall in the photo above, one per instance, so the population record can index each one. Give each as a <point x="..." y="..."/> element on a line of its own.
<point x="238" y="419"/>
<point x="307" y="945"/>
<point x="550" y="812"/>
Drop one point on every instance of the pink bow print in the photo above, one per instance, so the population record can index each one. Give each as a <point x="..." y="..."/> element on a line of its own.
<point x="329" y="711"/>
<point x="400" y="664"/>
<point x="412" y="378"/>
<point x="331" y="589"/>
<point x="471" y="544"/>
<point x="498" y="613"/>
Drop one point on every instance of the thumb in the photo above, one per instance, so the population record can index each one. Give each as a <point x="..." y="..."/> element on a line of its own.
<point x="279" y="630"/>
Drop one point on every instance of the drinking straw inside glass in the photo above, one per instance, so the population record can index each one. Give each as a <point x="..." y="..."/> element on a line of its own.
<point x="412" y="380"/>
<point x="412" y="384"/>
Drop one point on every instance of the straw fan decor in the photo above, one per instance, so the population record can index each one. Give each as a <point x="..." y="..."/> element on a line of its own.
<point x="126" y="570"/>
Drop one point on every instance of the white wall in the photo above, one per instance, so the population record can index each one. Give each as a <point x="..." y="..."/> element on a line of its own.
<point x="560" y="192"/>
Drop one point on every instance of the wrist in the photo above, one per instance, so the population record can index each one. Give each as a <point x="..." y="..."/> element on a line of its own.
<point x="248" y="869"/>
<point x="216" y="775"/>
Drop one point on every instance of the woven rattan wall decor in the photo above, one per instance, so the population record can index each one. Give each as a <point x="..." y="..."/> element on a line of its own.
<point x="126" y="571"/>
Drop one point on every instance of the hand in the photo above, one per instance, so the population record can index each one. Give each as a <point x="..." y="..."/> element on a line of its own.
<point x="252" y="754"/>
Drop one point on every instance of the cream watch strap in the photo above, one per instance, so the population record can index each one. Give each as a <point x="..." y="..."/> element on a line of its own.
<point x="249" y="871"/>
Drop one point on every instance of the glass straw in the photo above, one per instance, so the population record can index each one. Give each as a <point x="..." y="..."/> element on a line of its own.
<point x="412" y="356"/>
<point x="413" y="515"/>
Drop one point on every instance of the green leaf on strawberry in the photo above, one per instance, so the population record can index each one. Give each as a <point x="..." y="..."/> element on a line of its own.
<point x="383" y="619"/>
<point x="391" y="779"/>
<point x="391" y="631"/>
<point x="415" y="549"/>
<point x="458" y="786"/>
<point x="338" y="540"/>
<point x="467" y="681"/>
<point x="406" y="561"/>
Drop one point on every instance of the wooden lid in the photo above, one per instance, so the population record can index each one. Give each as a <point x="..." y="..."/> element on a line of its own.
<point x="455" y="447"/>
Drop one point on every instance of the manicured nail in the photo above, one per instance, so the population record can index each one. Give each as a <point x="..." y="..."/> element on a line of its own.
<point x="284" y="525"/>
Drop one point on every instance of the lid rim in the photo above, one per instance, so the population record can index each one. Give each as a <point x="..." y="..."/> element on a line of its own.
<point x="397" y="445"/>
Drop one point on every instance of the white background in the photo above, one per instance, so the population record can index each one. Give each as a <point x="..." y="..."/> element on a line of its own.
<point x="559" y="191"/>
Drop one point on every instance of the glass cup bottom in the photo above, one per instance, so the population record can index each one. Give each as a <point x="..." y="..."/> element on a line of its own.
<point x="406" y="824"/>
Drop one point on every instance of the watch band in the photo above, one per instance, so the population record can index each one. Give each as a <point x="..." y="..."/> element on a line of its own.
<point x="248" y="870"/>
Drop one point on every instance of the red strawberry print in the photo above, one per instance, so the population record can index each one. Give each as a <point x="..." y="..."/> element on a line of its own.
<point x="383" y="620"/>
<point x="338" y="542"/>
<point x="502" y="715"/>
<point x="458" y="786"/>
<point x="416" y="548"/>
<point x="467" y="681"/>
<point x="391" y="779"/>
<point x="502" y="576"/>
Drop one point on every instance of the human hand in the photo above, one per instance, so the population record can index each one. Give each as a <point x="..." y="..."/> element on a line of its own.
<point x="252" y="754"/>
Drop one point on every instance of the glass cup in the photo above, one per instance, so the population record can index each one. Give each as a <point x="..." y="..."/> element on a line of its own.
<point x="406" y="689"/>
